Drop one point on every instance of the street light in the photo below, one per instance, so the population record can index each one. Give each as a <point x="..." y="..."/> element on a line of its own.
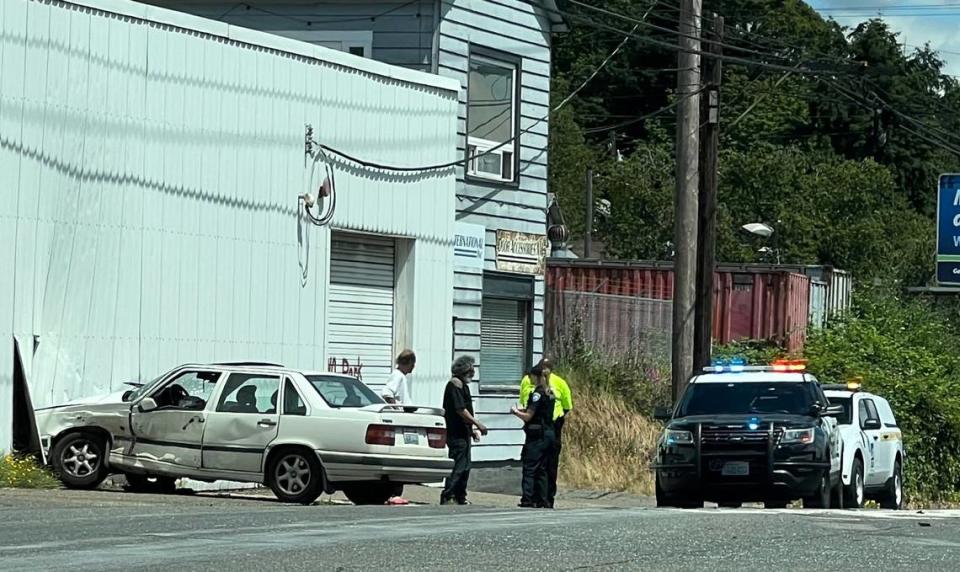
<point x="763" y="231"/>
<point x="759" y="229"/>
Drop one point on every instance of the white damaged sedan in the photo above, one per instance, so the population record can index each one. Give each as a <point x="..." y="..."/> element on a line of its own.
<point x="300" y="433"/>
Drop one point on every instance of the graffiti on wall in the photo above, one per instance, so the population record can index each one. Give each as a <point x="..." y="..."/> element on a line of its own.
<point x="344" y="366"/>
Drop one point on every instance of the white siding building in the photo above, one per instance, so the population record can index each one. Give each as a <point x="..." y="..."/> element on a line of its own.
<point x="150" y="167"/>
<point x="498" y="53"/>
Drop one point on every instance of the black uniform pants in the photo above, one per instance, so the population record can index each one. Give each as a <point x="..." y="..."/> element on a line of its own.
<point x="553" y="466"/>
<point x="456" y="486"/>
<point x="536" y="455"/>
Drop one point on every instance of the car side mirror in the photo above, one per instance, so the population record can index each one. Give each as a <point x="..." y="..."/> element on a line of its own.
<point x="833" y="411"/>
<point x="126" y="395"/>
<point x="870" y="424"/>
<point x="662" y="413"/>
<point x="148" y="404"/>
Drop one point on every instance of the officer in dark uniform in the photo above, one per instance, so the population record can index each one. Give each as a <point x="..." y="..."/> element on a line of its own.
<point x="541" y="440"/>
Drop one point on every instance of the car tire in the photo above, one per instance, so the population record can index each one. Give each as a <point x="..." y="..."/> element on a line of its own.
<point x="79" y="460"/>
<point x="295" y="476"/>
<point x="821" y="498"/>
<point x="150" y="484"/>
<point x="665" y="500"/>
<point x="372" y="493"/>
<point x="854" y="494"/>
<point x="893" y="492"/>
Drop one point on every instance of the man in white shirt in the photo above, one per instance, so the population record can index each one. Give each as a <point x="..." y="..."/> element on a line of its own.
<point x="397" y="389"/>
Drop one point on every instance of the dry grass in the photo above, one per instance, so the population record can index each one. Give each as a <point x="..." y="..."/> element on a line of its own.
<point x="607" y="445"/>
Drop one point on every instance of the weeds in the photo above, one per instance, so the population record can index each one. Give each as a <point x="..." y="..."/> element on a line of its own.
<point x="25" y="473"/>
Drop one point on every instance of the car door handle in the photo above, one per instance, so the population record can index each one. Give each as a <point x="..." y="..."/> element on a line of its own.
<point x="267" y="422"/>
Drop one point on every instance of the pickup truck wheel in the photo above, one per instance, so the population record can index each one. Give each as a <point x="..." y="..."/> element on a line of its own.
<point x="150" y="484"/>
<point x="79" y="460"/>
<point x="295" y="476"/>
<point x="372" y="492"/>
<point x="853" y="494"/>
<point x="893" y="493"/>
<point x="820" y="499"/>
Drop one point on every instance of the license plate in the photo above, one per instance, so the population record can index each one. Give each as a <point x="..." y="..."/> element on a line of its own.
<point x="735" y="469"/>
<point x="411" y="438"/>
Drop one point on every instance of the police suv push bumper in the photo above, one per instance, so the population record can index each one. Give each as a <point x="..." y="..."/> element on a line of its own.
<point x="745" y="463"/>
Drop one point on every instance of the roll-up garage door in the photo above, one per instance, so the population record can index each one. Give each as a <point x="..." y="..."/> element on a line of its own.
<point x="360" y="311"/>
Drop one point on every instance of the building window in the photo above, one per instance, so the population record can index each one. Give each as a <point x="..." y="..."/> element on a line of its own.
<point x="505" y="330"/>
<point x="492" y="118"/>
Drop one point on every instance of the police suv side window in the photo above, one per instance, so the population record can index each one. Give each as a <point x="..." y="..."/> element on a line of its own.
<point x="871" y="410"/>
<point x="862" y="412"/>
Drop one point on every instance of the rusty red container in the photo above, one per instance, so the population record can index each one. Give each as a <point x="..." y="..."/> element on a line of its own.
<point x="760" y="303"/>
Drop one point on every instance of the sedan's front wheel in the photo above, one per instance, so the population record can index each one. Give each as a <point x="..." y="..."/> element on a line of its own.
<point x="79" y="460"/>
<point x="295" y="476"/>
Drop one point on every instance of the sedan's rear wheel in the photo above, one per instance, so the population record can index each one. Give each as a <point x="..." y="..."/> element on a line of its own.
<point x="295" y="476"/>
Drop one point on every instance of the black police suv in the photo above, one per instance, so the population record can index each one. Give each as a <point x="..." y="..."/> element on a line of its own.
<point x="750" y="434"/>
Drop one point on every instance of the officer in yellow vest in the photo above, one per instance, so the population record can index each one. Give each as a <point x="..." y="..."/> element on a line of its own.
<point x="564" y="403"/>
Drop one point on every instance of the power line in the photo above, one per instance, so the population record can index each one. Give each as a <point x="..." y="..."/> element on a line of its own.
<point x="664" y="109"/>
<point x="556" y="108"/>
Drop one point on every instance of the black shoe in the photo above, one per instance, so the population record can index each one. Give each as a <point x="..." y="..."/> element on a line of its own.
<point x="463" y="502"/>
<point x="527" y="505"/>
<point x="445" y="501"/>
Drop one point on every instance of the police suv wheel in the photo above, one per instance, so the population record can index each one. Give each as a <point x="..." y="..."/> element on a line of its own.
<point x="675" y="501"/>
<point x="820" y="499"/>
<point x="893" y="493"/>
<point x="853" y="494"/>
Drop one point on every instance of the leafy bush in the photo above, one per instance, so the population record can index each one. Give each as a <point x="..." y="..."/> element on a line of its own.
<point x="756" y="352"/>
<point x="906" y="351"/>
<point x="25" y="473"/>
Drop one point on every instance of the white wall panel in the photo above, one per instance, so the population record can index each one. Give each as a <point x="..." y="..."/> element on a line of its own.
<point x="149" y="176"/>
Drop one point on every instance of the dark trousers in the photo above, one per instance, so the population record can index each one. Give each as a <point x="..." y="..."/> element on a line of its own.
<point x="553" y="465"/>
<point x="536" y="455"/>
<point x="456" y="487"/>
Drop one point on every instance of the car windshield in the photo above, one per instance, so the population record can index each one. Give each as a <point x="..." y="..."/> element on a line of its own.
<point x="847" y="403"/>
<point x="747" y="397"/>
<point x="343" y="391"/>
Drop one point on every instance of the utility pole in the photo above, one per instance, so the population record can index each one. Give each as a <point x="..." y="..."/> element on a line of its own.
<point x="588" y="213"/>
<point x="685" y="200"/>
<point x="707" y="237"/>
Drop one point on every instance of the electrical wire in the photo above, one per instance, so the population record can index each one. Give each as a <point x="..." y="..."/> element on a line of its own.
<point x="467" y="160"/>
<point x="311" y="22"/>
<point x="664" y="109"/>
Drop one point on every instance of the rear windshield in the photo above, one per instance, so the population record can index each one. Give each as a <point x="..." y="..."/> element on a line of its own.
<point x="343" y="391"/>
<point x="847" y="403"/>
<point x="748" y="397"/>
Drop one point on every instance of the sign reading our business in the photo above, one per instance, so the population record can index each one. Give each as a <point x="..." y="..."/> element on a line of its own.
<point x="469" y="241"/>
<point x="948" y="230"/>
<point x="521" y="252"/>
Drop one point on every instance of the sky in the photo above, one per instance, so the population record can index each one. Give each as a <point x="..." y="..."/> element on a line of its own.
<point x="919" y="22"/>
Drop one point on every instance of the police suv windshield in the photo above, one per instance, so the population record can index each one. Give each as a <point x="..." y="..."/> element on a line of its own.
<point x="792" y="398"/>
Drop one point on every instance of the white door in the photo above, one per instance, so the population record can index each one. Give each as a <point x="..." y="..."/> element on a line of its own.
<point x="871" y="426"/>
<point x="243" y="424"/>
<point x="172" y="433"/>
<point x="360" y="310"/>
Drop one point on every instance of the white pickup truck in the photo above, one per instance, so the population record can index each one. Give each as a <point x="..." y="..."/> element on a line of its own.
<point x="873" y="454"/>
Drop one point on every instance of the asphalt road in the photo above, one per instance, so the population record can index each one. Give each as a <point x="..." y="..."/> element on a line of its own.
<point x="62" y="530"/>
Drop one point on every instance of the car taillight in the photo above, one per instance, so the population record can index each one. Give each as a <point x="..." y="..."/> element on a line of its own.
<point x="437" y="438"/>
<point x="381" y="435"/>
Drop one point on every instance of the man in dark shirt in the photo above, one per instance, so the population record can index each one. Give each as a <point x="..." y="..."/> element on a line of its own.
<point x="461" y="427"/>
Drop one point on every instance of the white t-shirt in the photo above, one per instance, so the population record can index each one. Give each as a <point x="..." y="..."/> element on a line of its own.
<point x="396" y="387"/>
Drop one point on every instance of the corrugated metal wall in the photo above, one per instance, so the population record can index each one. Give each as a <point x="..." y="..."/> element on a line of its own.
<point x="150" y="163"/>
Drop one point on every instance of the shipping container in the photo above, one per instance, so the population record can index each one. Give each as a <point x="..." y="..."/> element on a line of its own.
<point x="757" y="303"/>
<point x="836" y="287"/>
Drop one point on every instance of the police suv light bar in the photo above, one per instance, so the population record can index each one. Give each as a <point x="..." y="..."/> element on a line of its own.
<point x="738" y="365"/>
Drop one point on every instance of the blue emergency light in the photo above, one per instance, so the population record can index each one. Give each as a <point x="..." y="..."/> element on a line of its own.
<point x="732" y="365"/>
